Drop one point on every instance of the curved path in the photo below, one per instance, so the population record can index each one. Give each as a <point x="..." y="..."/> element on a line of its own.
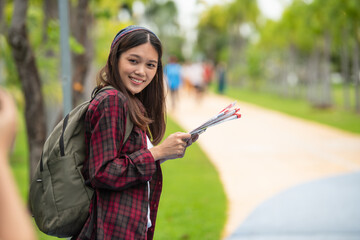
<point x="265" y="152"/>
<point x="322" y="209"/>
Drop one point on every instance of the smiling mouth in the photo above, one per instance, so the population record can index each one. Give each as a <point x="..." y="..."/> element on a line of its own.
<point x="136" y="81"/>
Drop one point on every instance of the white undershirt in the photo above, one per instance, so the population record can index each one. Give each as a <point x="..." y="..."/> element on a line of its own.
<point x="149" y="145"/>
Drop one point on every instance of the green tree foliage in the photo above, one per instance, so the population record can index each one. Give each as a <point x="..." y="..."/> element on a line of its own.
<point x="162" y="16"/>
<point x="212" y="33"/>
<point x="220" y="38"/>
<point x="294" y="56"/>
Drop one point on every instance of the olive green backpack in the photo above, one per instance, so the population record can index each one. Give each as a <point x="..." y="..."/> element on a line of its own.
<point x="59" y="199"/>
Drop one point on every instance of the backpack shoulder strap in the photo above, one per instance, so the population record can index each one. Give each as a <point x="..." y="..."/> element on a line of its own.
<point x="129" y="127"/>
<point x="129" y="123"/>
<point x="98" y="90"/>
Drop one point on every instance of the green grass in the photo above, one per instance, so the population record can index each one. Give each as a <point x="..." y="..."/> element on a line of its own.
<point x="336" y="117"/>
<point x="193" y="202"/>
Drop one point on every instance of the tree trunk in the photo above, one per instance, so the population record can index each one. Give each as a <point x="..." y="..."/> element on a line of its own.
<point x="30" y="82"/>
<point x="80" y="23"/>
<point x="345" y="64"/>
<point x="285" y="72"/>
<point x="326" y="101"/>
<point x="2" y="21"/>
<point x="313" y="79"/>
<point x="356" y="75"/>
<point x="51" y="12"/>
<point x="236" y="46"/>
<point x="291" y="74"/>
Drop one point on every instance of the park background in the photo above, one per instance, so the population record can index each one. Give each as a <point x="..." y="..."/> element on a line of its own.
<point x="303" y="62"/>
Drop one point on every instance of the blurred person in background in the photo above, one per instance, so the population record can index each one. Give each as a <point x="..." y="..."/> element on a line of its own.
<point x="221" y="75"/>
<point x="208" y="73"/>
<point x="197" y="79"/>
<point x="186" y="76"/>
<point x="15" y="222"/>
<point x="173" y="77"/>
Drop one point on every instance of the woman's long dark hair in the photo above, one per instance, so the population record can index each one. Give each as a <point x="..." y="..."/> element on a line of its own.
<point x="153" y="120"/>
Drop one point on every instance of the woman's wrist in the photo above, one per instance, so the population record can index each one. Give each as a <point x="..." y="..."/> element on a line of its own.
<point x="4" y="156"/>
<point x="155" y="153"/>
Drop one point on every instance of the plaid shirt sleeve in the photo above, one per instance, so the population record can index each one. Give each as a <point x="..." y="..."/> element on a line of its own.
<point x="112" y="164"/>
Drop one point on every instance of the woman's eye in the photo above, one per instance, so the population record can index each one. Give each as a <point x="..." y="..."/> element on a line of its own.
<point x="151" y="65"/>
<point x="132" y="61"/>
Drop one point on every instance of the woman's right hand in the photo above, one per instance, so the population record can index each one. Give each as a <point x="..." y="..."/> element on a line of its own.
<point x="172" y="147"/>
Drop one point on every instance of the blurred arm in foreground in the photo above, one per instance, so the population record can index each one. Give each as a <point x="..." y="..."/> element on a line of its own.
<point x="15" y="222"/>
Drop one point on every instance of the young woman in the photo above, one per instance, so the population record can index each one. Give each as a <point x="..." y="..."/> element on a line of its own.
<point x="126" y="176"/>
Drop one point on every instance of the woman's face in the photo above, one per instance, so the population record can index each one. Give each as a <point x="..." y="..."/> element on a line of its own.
<point x="137" y="67"/>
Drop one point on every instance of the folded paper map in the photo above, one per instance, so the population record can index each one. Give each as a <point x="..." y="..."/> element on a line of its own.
<point x="228" y="113"/>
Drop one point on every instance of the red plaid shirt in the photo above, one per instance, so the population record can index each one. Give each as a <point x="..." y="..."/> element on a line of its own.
<point x="118" y="173"/>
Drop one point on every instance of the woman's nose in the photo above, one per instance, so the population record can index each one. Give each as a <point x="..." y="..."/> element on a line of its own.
<point x="140" y="70"/>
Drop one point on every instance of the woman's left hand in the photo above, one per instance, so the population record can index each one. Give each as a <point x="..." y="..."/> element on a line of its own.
<point x="173" y="146"/>
<point x="192" y="139"/>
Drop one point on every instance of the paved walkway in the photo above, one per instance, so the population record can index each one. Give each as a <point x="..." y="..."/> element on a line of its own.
<point x="322" y="209"/>
<point x="265" y="152"/>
